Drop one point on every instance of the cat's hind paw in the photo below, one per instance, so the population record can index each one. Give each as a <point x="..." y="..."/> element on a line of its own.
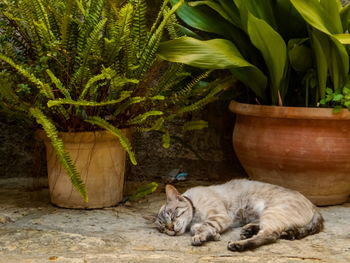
<point x="249" y="230"/>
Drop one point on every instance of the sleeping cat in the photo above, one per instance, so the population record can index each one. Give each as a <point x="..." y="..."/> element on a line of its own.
<point x="266" y="212"/>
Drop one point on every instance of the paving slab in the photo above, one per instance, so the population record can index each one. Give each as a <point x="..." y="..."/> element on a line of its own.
<point x="33" y="230"/>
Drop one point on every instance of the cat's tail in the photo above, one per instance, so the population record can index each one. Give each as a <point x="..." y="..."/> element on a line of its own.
<point x="313" y="227"/>
<point x="316" y="224"/>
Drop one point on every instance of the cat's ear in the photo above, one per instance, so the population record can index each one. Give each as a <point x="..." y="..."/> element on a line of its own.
<point x="171" y="193"/>
<point x="151" y="218"/>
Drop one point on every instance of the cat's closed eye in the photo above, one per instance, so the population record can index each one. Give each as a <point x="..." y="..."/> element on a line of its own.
<point x="180" y="212"/>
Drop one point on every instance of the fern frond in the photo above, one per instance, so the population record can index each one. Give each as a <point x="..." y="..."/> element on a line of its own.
<point x="148" y="54"/>
<point x="89" y="31"/>
<point x="84" y="55"/>
<point x="187" y="90"/>
<point x="43" y="32"/>
<point x="62" y="155"/>
<point x="94" y="13"/>
<point x="125" y="38"/>
<point x="158" y="19"/>
<point x="139" y="28"/>
<point x="53" y="21"/>
<point x="124" y="95"/>
<point x="8" y="95"/>
<point x="158" y="125"/>
<point x="195" y="125"/>
<point x="118" y="32"/>
<point x="81" y="7"/>
<point x="28" y="13"/>
<point x="212" y="95"/>
<point x="41" y="12"/>
<point x="65" y="23"/>
<point x="125" y="143"/>
<point x="143" y="117"/>
<point x="170" y="78"/>
<point x="106" y="74"/>
<point x="166" y="139"/>
<point x="58" y="84"/>
<point x="44" y="88"/>
<point x="173" y="30"/>
<point x="43" y="18"/>
<point x="127" y="104"/>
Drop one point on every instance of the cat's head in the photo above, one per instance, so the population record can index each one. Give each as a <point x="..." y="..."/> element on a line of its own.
<point x="173" y="217"/>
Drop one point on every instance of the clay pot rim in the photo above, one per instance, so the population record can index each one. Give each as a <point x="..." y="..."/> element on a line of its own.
<point x="268" y="111"/>
<point x="85" y="136"/>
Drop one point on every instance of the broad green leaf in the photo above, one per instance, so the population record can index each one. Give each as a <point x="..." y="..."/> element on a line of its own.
<point x="213" y="54"/>
<point x="215" y="6"/>
<point x="300" y="55"/>
<point x="203" y="18"/>
<point x="343" y="38"/>
<point x="338" y="97"/>
<point x="207" y="19"/>
<point x="232" y="10"/>
<point x="273" y="49"/>
<point x="320" y="14"/>
<point x="344" y="16"/>
<point x="186" y="32"/>
<point x="320" y="44"/>
<point x="285" y="13"/>
<point x="263" y="11"/>
<point x="339" y="64"/>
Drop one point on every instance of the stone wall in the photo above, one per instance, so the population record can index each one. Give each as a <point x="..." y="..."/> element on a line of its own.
<point x="16" y="148"/>
<point x="213" y="145"/>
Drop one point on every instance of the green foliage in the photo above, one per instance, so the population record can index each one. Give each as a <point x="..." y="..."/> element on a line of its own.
<point x="92" y="64"/>
<point x="260" y="45"/>
<point x="337" y="100"/>
<point x="62" y="155"/>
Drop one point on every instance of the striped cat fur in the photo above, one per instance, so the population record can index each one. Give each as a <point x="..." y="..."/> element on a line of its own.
<point x="266" y="213"/>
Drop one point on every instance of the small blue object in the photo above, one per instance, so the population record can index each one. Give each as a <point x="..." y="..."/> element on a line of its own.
<point x="181" y="176"/>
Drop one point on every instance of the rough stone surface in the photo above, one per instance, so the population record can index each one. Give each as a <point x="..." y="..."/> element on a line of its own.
<point x="32" y="230"/>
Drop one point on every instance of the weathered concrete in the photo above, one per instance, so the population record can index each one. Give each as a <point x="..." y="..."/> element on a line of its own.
<point x="32" y="230"/>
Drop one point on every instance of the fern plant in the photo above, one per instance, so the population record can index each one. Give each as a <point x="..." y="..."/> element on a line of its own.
<point x="87" y="65"/>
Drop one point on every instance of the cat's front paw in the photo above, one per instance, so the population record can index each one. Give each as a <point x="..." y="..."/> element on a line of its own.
<point x="236" y="246"/>
<point x="198" y="240"/>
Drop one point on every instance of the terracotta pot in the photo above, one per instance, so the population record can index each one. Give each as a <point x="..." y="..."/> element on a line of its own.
<point x="100" y="160"/>
<point x="305" y="149"/>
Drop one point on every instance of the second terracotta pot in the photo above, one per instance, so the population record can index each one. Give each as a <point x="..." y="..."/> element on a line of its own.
<point x="305" y="149"/>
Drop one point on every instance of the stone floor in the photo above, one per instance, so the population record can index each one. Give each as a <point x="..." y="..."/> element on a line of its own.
<point x="32" y="230"/>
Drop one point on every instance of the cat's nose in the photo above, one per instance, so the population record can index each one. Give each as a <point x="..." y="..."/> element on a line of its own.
<point x="170" y="226"/>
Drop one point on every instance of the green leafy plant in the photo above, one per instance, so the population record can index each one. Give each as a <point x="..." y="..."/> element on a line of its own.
<point x="337" y="100"/>
<point x="87" y="65"/>
<point x="287" y="52"/>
